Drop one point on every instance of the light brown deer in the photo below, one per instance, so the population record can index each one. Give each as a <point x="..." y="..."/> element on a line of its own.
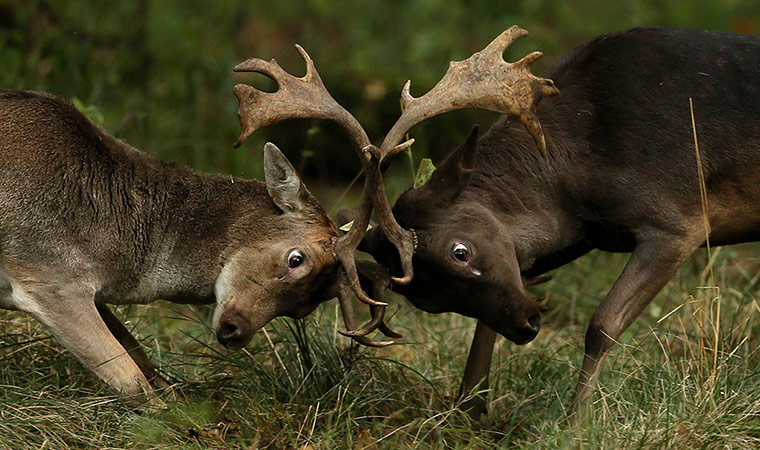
<point x="87" y="220"/>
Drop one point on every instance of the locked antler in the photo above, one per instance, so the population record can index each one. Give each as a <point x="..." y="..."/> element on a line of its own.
<point x="379" y="278"/>
<point x="484" y="81"/>
<point x="307" y="97"/>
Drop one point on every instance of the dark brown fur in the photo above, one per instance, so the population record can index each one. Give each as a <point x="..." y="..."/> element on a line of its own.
<point x="621" y="176"/>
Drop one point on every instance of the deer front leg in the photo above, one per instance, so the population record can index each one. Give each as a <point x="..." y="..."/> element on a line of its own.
<point x="74" y="320"/>
<point x="132" y="346"/>
<point x="653" y="262"/>
<point x="477" y="369"/>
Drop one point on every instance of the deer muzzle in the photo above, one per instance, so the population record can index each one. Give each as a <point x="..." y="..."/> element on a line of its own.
<point x="234" y="331"/>
<point x="528" y="330"/>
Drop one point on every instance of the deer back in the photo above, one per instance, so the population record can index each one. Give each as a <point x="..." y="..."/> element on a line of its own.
<point x="78" y="206"/>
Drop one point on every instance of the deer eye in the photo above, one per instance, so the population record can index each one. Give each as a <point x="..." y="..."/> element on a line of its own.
<point x="295" y="259"/>
<point x="460" y="252"/>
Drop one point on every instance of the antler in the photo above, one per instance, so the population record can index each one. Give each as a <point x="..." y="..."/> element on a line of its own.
<point x="304" y="97"/>
<point x="484" y="81"/>
<point x="379" y="277"/>
<point x="307" y="97"/>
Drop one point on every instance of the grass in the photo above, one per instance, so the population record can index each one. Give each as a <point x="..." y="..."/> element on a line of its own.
<point x="668" y="384"/>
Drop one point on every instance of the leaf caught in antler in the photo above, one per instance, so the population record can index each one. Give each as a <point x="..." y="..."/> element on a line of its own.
<point x="424" y="173"/>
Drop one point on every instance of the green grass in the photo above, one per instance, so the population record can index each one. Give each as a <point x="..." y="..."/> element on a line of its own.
<point x="678" y="379"/>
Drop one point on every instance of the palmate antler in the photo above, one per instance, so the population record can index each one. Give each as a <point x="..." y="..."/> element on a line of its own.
<point x="482" y="81"/>
<point x="307" y="97"/>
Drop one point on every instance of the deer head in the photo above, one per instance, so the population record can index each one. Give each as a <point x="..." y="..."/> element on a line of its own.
<point x="286" y="273"/>
<point x="438" y="214"/>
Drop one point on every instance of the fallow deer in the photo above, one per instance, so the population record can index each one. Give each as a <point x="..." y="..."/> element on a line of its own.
<point x="87" y="220"/>
<point x="620" y="174"/>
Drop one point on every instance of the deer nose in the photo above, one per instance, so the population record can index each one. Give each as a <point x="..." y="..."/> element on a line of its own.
<point x="234" y="331"/>
<point x="534" y="323"/>
<point x="528" y="330"/>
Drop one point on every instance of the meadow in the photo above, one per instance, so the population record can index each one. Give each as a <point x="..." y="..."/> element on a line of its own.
<point x="158" y="74"/>
<point x="684" y="376"/>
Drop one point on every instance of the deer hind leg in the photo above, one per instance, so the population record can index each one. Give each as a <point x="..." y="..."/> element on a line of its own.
<point x="71" y="316"/>
<point x="477" y="369"/>
<point x="652" y="264"/>
<point x="133" y="347"/>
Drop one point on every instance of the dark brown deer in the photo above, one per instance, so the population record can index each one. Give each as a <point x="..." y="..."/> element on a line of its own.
<point x="87" y="220"/>
<point x="621" y="175"/>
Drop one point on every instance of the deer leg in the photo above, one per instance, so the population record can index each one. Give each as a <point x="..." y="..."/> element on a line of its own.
<point x="132" y="346"/>
<point x="477" y="369"/>
<point x="74" y="320"/>
<point x="652" y="264"/>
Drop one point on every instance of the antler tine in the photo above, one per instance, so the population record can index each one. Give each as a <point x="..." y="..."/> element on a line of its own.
<point x="500" y="43"/>
<point x="376" y="323"/>
<point x="347" y="309"/>
<point x="346" y="245"/>
<point x="379" y="277"/>
<point x="306" y="97"/>
<point x="383" y="328"/>
<point x="484" y="81"/>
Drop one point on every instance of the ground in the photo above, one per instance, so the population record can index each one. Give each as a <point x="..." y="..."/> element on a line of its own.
<point x="683" y="376"/>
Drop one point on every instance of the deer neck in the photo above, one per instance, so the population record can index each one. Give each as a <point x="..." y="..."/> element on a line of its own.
<point x="184" y="225"/>
<point x="526" y="191"/>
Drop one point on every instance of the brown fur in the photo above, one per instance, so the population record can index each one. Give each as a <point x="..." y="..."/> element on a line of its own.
<point x="86" y="219"/>
<point x="620" y="175"/>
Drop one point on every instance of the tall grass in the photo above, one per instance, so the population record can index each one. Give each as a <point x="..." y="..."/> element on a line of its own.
<point x="669" y="383"/>
<point x="684" y="376"/>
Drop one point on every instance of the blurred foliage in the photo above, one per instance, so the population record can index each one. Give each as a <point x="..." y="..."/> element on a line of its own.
<point x="159" y="72"/>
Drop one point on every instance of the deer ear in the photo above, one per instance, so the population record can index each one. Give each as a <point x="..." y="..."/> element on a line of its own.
<point x="463" y="158"/>
<point x="283" y="184"/>
<point x="456" y="170"/>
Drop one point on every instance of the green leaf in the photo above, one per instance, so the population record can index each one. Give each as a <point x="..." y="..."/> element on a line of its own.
<point x="655" y="310"/>
<point x="424" y="173"/>
<point x="347" y="227"/>
<point x="91" y="111"/>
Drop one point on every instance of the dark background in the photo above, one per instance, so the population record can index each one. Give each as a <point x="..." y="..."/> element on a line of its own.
<point x="158" y="73"/>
